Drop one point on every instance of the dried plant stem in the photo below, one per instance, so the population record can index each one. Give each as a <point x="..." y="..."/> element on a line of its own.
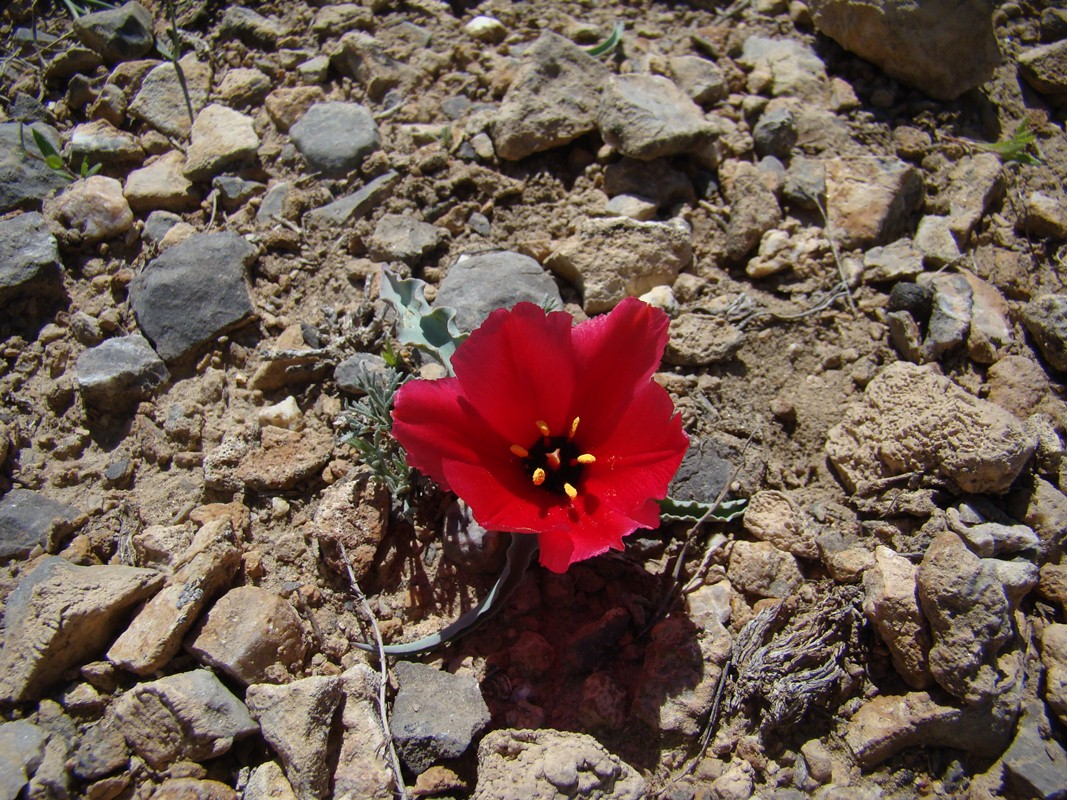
<point x="383" y="679"/>
<point x="837" y="254"/>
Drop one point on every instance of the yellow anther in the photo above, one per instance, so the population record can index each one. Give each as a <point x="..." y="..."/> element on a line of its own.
<point x="586" y="458"/>
<point x="520" y="451"/>
<point x="538" y="476"/>
<point x="570" y="490"/>
<point x="553" y="460"/>
<point x="543" y="427"/>
<point x="574" y="427"/>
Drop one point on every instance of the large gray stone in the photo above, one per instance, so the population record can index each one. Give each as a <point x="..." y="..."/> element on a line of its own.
<point x="29" y="519"/>
<point x="193" y="293"/>
<point x="117" y="34"/>
<point x="356" y="205"/>
<point x="1046" y="319"/>
<point x="161" y="100"/>
<point x="29" y="258"/>
<point x="22" y="749"/>
<point x="477" y="285"/>
<point x="941" y="47"/>
<point x="648" y="116"/>
<point x="61" y="615"/>
<point x="118" y="373"/>
<point x="334" y="138"/>
<point x="25" y="180"/>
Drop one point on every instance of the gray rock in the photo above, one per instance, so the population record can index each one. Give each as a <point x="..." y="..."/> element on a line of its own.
<point x="554" y="765"/>
<point x="553" y="99"/>
<point x="354" y="206"/>
<point x="776" y="132"/>
<point x="700" y="339"/>
<point x="1035" y="764"/>
<point x="950" y="315"/>
<point x="117" y="34"/>
<point x="870" y="200"/>
<point x="902" y="425"/>
<point x="273" y="204"/>
<point x="24" y="180"/>
<point x="118" y="373"/>
<point x="657" y="180"/>
<point x="29" y="259"/>
<point x="1046" y="319"/>
<point x="349" y="374"/>
<point x="243" y="87"/>
<point x="425" y="728"/>
<point x="942" y="48"/>
<point x="1045" y="68"/>
<point x="29" y="519"/>
<point x="611" y="259"/>
<point x="100" y="142"/>
<point x="891" y="263"/>
<point x="250" y="27"/>
<point x="363" y="771"/>
<point x="469" y="545"/>
<point x="754" y="210"/>
<point x="400" y="237"/>
<point x="368" y="62"/>
<point x="235" y="191"/>
<point x="60" y="615"/>
<point x="785" y="67"/>
<point x="100" y="751"/>
<point x="976" y="183"/>
<point x="22" y="749"/>
<point x="706" y="468"/>
<point x="193" y="292"/>
<point x="154" y="636"/>
<point x="221" y="139"/>
<point x="1044" y="216"/>
<point x="699" y="78"/>
<point x="934" y="239"/>
<point x="648" y="116"/>
<point x="188" y="716"/>
<point x="1053" y="24"/>
<point x="805" y="182"/>
<point x="161" y="100"/>
<point x="250" y="634"/>
<point x="296" y="720"/>
<point x="478" y="285"/>
<point x="334" y="138"/>
<point x="891" y="603"/>
<point x="158" y="224"/>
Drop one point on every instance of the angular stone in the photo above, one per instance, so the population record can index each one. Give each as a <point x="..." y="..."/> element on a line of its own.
<point x="934" y="239"/>
<point x="892" y="262"/>
<point x="991" y="329"/>
<point x="553" y="99"/>
<point x="772" y="516"/>
<point x="118" y="373"/>
<point x="892" y="605"/>
<point x="699" y="339"/>
<point x="187" y="716"/>
<point x="1045" y="68"/>
<point x="100" y="142"/>
<point x="754" y="210"/>
<point x="611" y="259"/>
<point x="870" y="199"/>
<point x="285" y="459"/>
<point x="268" y="782"/>
<point x="60" y="615"/>
<point x="250" y="27"/>
<point x="287" y="105"/>
<point x="334" y="138"/>
<point x="22" y="749"/>
<point x="193" y="292"/>
<point x="29" y="519"/>
<point x="353" y="513"/>
<point x="250" y="634"/>
<point x="353" y="206"/>
<point x="154" y="636"/>
<point x="1044" y="216"/>
<point x="762" y="569"/>
<point x="221" y="139"/>
<point x="117" y="34"/>
<point x="785" y="67"/>
<point x="648" y="116"/>
<point x="89" y="211"/>
<point x="399" y="237"/>
<point x="941" y="47"/>
<point x="1046" y="319"/>
<point x="29" y="259"/>
<point x="363" y="58"/>
<point x="950" y="316"/>
<point x="912" y="419"/>
<point x="1035" y="764"/>
<point x="976" y="183"/>
<point x="553" y="764"/>
<point x="296" y="720"/>
<point x="478" y="285"/>
<point x="161" y="185"/>
<point x="1054" y="659"/>
<point x="363" y="771"/>
<point x="193" y="789"/>
<point x="700" y="78"/>
<point x="161" y="100"/>
<point x="243" y="88"/>
<point x="426" y="730"/>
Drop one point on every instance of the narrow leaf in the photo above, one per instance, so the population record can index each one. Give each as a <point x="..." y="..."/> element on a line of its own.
<point x="673" y="510"/>
<point x="610" y="43"/>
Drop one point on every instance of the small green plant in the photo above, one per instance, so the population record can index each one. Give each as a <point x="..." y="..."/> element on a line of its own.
<point x="85" y="6"/>
<point x="1017" y="147"/>
<point x="609" y="44"/>
<point x="55" y="161"/>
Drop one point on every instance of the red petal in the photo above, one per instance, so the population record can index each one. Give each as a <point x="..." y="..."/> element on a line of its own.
<point x="596" y="530"/>
<point x="433" y="422"/>
<point x="637" y="459"/>
<point x="517" y="368"/>
<point x="616" y="355"/>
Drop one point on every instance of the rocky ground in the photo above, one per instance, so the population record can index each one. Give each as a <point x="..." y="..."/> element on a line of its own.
<point x="856" y="221"/>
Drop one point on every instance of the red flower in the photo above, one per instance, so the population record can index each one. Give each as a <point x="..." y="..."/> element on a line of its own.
<point x="550" y="428"/>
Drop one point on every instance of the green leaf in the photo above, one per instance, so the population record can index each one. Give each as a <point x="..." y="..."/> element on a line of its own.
<point x="673" y="510"/>
<point x="608" y="44"/>
<point x="45" y="146"/>
<point x="433" y="329"/>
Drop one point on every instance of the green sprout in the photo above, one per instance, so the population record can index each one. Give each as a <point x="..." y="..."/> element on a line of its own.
<point x="85" y="6"/>
<point x="609" y="44"/>
<point x="55" y="161"/>
<point x="1016" y="147"/>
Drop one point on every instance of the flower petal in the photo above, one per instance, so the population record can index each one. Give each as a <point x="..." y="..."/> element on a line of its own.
<point x="636" y="460"/>
<point x="432" y="422"/>
<point x="517" y="368"/>
<point x="593" y="529"/>
<point x="616" y="355"/>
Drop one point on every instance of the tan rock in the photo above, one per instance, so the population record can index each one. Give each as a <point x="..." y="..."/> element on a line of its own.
<point x="161" y="185"/>
<point x="285" y="458"/>
<point x="221" y="138"/>
<point x="89" y="211"/>
<point x="870" y="199"/>
<point x="762" y="569"/>
<point x="892" y="606"/>
<point x="1054" y="657"/>
<point x="773" y="517"/>
<point x="286" y="106"/>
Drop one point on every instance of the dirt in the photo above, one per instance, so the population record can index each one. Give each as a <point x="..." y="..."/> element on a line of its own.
<point x="788" y="385"/>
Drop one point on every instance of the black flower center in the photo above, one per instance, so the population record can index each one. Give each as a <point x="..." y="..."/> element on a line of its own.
<point x="554" y="463"/>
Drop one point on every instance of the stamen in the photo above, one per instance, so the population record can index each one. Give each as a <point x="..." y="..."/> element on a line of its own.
<point x="574" y="427"/>
<point x="586" y="458"/>
<point x="570" y="490"/>
<point x="553" y="460"/>
<point x="543" y="427"/>
<point x="539" y="476"/>
<point x="520" y="451"/>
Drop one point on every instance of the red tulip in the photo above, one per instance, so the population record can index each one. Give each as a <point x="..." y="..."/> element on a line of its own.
<point x="550" y="428"/>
